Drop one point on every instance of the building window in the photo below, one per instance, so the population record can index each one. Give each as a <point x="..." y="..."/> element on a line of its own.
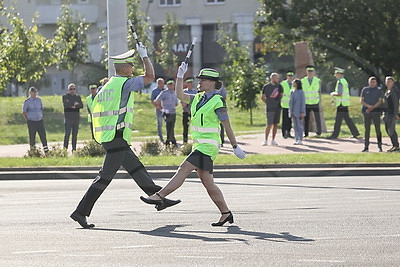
<point x="170" y="2"/>
<point x="212" y="2"/>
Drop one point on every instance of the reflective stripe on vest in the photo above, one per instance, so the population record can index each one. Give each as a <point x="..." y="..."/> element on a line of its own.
<point x="112" y="127"/>
<point x="311" y="91"/>
<point x="112" y="112"/>
<point x="207" y="141"/>
<point x="204" y="129"/>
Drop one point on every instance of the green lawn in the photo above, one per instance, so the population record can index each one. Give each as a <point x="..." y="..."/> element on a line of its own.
<point x="14" y="130"/>
<point x="311" y="158"/>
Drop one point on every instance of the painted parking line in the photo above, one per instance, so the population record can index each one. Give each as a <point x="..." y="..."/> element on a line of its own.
<point x="199" y="257"/>
<point x="34" y="251"/>
<point x="137" y="246"/>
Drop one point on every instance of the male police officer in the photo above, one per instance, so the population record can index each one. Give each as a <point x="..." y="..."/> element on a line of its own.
<point x="287" y="88"/>
<point x="342" y="95"/>
<point x="112" y="118"/>
<point x="312" y="90"/>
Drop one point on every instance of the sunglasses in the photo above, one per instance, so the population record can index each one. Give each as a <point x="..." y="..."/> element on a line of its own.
<point x="72" y="89"/>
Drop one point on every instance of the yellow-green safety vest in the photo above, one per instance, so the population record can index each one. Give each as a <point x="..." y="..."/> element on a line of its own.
<point x="205" y="127"/>
<point x="344" y="99"/>
<point x="286" y="93"/>
<point x="89" y="101"/>
<point x="106" y="109"/>
<point x="311" y="91"/>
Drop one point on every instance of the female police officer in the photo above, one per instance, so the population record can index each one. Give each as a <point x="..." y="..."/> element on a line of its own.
<point x="208" y="109"/>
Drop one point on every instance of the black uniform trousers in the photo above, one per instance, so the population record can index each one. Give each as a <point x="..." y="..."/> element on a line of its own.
<point x="185" y="124"/>
<point x="342" y="112"/>
<point x="315" y="109"/>
<point x="286" y="122"/>
<point x="71" y="126"/>
<point x="390" y="125"/>
<point x="37" y="126"/>
<point x="170" y="126"/>
<point x="118" y="153"/>
<point x="374" y="117"/>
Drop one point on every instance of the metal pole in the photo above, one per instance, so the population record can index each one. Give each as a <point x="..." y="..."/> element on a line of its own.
<point x="116" y="30"/>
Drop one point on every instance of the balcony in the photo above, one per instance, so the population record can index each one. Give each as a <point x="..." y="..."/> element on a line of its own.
<point x="48" y="14"/>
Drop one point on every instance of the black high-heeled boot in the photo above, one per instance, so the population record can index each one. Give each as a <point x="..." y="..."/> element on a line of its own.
<point x="227" y="219"/>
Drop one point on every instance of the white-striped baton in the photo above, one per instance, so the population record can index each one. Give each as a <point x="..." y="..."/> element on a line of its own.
<point x="133" y="31"/>
<point x="189" y="53"/>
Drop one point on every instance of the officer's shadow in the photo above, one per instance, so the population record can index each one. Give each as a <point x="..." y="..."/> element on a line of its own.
<point x="173" y="231"/>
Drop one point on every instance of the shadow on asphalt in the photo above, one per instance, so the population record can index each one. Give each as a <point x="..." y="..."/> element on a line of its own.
<point x="171" y="231"/>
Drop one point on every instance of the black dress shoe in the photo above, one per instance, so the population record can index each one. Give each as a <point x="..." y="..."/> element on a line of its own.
<point x="227" y="219"/>
<point x="152" y="201"/>
<point x="355" y="136"/>
<point x="167" y="203"/>
<point x="331" y="137"/>
<point x="365" y="149"/>
<point x="81" y="219"/>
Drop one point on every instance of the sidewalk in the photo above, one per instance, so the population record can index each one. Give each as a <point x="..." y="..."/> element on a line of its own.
<point x="251" y="144"/>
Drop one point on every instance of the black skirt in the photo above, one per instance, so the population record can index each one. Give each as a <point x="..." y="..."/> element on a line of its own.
<point x="201" y="161"/>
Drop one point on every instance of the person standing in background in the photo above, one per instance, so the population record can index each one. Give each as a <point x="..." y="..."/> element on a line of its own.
<point x="286" y="120"/>
<point x="312" y="90"/>
<point x="272" y="95"/>
<point x="159" y="115"/>
<point x="342" y="95"/>
<point x="167" y="102"/>
<point x="32" y="111"/>
<point x="186" y="108"/>
<point x="371" y="100"/>
<point x="391" y="113"/>
<point x="297" y="109"/>
<point x="72" y="104"/>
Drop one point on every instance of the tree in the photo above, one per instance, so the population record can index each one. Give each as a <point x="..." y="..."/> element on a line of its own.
<point x="70" y="41"/>
<point x="142" y="28"/>
<point x="246" y="78"/>
<point x="24" y="53"/>
<point x="364" y="32"/>
<point x="165" y="55"/>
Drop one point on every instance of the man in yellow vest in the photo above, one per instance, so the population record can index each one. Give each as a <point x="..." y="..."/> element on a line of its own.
<point x="312" y="90"/>
<point x="112" y="118"/>
<point x="287" y="88"/>
<point x="342" y="98"/>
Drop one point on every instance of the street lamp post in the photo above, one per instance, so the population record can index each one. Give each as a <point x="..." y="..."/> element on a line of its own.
<point x="116" y="30"/>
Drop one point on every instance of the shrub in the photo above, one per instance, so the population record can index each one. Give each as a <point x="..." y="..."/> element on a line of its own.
<point x="34" y="152"/>
<point x="90" y="148"/>
<point x="186" y="149"/>
<point x="150" y="148"/>
<point x="57" y="151"/>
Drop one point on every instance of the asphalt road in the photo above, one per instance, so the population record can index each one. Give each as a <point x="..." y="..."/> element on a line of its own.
<point x="335" y="221"/>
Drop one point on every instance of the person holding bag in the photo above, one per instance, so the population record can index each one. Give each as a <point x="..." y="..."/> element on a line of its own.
<point x="208" y="109"/>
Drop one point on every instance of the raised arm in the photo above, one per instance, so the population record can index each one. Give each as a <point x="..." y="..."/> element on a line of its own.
<point x="148" y="66"/>
<point x="179" y="84"/>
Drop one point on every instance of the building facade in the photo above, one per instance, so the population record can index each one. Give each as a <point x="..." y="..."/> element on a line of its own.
<point x="196" y="18"/>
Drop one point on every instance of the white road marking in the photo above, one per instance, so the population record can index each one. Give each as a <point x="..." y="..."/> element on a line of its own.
<point x="200" y="257"/>
<point x="34" y="251"/>
<point x="82" y="255"/>
<point x="137" y="246"/>
<point x="327" y="261"/>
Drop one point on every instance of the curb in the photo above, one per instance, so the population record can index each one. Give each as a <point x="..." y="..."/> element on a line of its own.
<point x="234" y="171"/>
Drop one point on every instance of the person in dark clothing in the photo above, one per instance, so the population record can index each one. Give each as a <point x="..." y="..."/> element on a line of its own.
<point x="371" y="100"/>
<point x="391" y="112"/>
<point x="72" y="104"/>
<point x="186" y="108"/>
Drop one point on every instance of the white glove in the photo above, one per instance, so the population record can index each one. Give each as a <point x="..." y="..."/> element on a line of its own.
<point x="290" y="115"/>
<point x="239" y="152"/>
<point x="141" y="50"/>
<point x="332" y="93"/>
<point x="182" y="70"/>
